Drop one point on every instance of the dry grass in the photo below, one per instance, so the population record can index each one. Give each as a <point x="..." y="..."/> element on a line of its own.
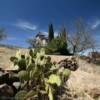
<point x="6" y="53"/>
<point x="82" y="82"/>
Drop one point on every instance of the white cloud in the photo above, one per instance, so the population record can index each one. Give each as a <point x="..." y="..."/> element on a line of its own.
<point x="95" y="24"/>
<point x="26" y="25"/>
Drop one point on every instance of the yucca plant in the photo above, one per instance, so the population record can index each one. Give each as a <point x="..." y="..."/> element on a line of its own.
<point x="40" y="76"/>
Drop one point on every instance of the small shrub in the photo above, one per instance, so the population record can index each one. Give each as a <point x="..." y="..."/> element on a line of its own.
<point x="56" y="46"/>
<point x="97" y="62"/>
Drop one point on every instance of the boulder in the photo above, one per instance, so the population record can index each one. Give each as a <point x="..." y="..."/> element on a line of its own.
<point x="1" y="69"/>
<point x="6" y="92"/>
<point x="13" y="77"/>
<point x="4" y="77"/>
<point x="8" y="77"/>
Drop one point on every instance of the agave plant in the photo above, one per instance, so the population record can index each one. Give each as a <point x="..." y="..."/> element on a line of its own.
<point x="39" y="74"/>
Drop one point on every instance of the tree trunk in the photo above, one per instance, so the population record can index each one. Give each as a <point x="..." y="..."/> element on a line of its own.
<point x="74" y="50"/>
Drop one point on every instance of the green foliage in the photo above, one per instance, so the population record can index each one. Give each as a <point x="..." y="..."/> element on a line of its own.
<point x="20" y="95"/>
<point x="97" y="62"/>
<point x="57" y="46"/>
<point x="50" y="33"/>
<point x="66" y="72"/>
<point x="63" y="34"/>
<point x="54" y="79"/>
<point x="38" y="74"/>
<point x="30" y="94"/>
<point x="24" y="95"/>
<point x="22" y="64"/>
<point x="23" y="75"/>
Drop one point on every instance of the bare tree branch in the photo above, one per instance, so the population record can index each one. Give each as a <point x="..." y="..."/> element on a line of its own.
<point x="81" y="39"/>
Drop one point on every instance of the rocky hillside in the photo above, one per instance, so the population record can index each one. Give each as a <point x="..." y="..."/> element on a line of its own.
<point x="83" y="83"/>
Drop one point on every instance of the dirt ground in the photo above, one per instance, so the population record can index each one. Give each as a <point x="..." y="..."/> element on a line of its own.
<point x="85" y="82"/>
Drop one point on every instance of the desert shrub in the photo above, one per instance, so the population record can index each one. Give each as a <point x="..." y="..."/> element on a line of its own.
<point x="57" y="46"/>
<point x="90" y="60"/>
<point x="97" y="62"/>
<point x="41" y="77"/>
<point x="86" y="58"/>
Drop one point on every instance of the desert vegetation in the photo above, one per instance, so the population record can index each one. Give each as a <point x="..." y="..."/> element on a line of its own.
<point x="39" y="78"/>
<point x="35" y="76"/>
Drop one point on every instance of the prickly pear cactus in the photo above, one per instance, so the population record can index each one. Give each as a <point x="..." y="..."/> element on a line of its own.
<point x="38" y="73"/>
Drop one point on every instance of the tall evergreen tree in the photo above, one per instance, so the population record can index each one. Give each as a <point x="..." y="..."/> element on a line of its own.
<point x="63" y="34"/>
<point x="50" y="32"/>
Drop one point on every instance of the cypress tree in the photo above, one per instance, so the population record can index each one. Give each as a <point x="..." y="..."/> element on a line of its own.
<point x="50" y="32"/>
<point x="63" y="38"/>
<point x="63" y="34"/>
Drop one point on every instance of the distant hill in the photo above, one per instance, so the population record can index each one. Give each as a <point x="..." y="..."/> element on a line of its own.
<point x="10" y="46"/>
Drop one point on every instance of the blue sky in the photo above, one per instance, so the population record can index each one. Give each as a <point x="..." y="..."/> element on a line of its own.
<point x="24" y="18"/>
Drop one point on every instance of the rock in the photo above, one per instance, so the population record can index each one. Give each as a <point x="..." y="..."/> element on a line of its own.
<point x="13" y="77"/>
<point x="1" y="69"/>
<point x="4" y="77"/>
<point x="8" y="77"/>
<point x="17" y="85"/>
<point x="70" y="64"/>
<point x="6" y="92"/>
<point x="1" y="73"/>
